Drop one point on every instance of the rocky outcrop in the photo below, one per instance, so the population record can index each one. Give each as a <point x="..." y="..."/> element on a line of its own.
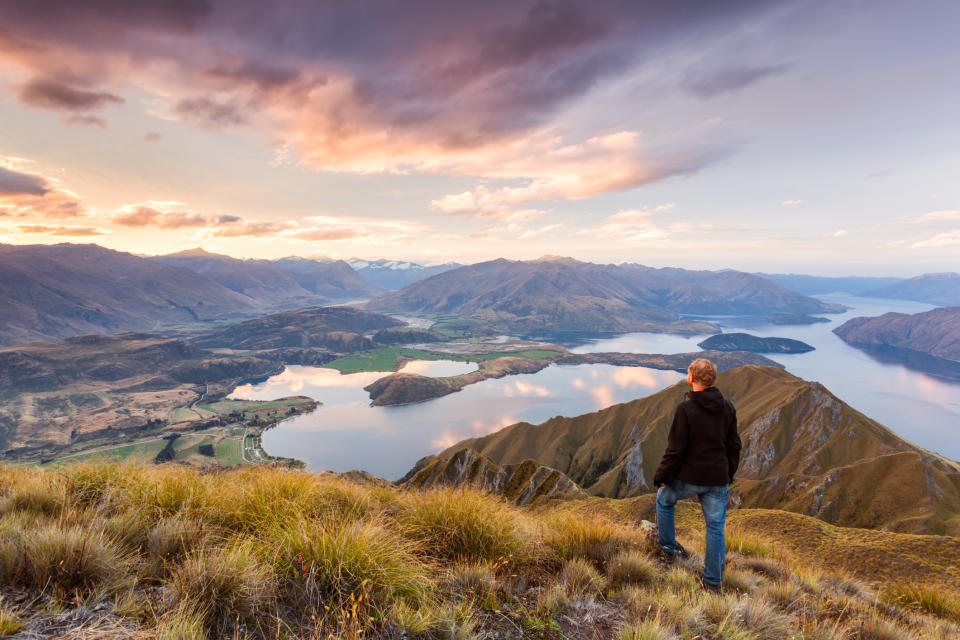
<point x="755" y="344"/>
<point x="522" y="483"/>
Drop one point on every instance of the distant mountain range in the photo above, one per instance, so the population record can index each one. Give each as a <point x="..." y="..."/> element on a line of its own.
<point x="564" y="294"/>
<point x="56" y="291"/>
<point x="942" y="289"/>
<point x="804" y="451"/>
<point x="935" y="332"/>
<point x="288" y="282"/>
<point x="396" y="274"/>
<point x="815" y="285"/>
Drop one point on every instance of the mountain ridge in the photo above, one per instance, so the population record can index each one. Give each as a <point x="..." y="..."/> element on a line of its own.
<point x="798" y="440"/>
<point x="565" y="294"/>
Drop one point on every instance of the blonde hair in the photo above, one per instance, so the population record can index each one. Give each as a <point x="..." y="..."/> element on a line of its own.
<point x="703" y="371"/>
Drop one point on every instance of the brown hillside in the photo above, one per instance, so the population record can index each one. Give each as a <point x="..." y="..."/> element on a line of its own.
<point x="804" y="450"/>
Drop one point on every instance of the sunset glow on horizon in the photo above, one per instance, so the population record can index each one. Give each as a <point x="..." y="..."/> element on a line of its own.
<point x="815" y="137"/>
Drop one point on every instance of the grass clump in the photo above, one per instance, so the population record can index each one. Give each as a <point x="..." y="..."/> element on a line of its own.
<point x="464" y="524"/>
<point x="39" y="494"/>
<point x="72" y="561"/>
<point x="472" y="578"/>
<point x="580" y="579"/>
<point x="646" y="630"/>
<point x="927" y="598"/>
<point x="223" y="584"/>
<point x="185" y="623"/>
<point x="748" y="545"/>
<point x="332" y="565"/>
<point x="631" y="567"/>
<point x="10" y="622"/>
<point x="596" y="539"/>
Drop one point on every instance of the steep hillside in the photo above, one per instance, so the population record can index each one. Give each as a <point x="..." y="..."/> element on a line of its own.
<point x="935" y="332"/>
<point x="804" y="450"/>
<point x="563" y="294"/>
<point x="521" y="483"/>
<point x="57" y="291"/>
<point x="932" y="288"/>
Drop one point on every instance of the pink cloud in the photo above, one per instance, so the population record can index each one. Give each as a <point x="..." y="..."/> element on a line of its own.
<point x="421" y="85"/>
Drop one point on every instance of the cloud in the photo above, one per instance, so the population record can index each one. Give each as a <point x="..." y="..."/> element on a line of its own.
<point x="613" y="162"/>
<point x="935" y="217"/>
<point x="151" y="136"/>
<point x="24" y="193"/>
<point x="67" y="231"/>
<point x="423" y="85"/>
<point x="791" y="203"/>
<point x="49" y="93"/>
<point x="945" y="239"/>
<point x="252" y="229"/>
<point x="17" y="183"/>
<point x="167" y="215"/>
<point x="86" y="121"/>
<point x="210" y="113"/>
<point x="334" y="233"/>
<point x="632" y="226"/>
<point x="707" y="83"/>
<point x="838" y="234"/>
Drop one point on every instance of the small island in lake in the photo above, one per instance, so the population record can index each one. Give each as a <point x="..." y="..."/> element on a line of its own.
<point x="756" y="344"/>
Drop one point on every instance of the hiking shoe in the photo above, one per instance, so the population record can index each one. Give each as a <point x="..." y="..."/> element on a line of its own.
<point x="669" y="556"/>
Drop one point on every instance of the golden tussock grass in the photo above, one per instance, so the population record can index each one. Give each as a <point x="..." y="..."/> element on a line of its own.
<point x="263" y="553"/>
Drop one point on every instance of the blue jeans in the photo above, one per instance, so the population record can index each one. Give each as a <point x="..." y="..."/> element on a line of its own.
<point x="713" y="501"/>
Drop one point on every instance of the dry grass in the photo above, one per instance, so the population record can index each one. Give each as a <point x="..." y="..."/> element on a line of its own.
<point x="223" y="584"/>
<point x="631" y="567"/>
<point x="596" y="539"/>
<point x="459" y="524"/>
<point x="268" y="553"/>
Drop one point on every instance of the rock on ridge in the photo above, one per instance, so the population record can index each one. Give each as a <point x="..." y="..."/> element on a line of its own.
<point x="521" y="483"/>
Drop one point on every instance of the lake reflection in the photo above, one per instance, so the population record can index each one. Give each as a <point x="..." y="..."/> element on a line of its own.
<point x="346" y="433"/>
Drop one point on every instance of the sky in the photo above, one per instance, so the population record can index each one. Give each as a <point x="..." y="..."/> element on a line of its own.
<point x="816" y="137"/>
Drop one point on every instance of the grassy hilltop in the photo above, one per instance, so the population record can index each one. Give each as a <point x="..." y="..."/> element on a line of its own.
<point x="120" y="551"/>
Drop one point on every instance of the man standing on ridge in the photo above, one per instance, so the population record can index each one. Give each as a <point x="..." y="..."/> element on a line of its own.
<point x="703" y="453"/>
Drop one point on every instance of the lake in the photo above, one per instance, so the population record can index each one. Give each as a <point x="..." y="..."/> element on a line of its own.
<point x="346" y="433"/>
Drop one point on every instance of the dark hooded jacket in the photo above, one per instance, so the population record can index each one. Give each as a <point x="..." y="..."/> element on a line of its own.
<point x="703" y="446"/>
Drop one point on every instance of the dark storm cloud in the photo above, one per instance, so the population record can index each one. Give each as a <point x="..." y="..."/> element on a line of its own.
<point x="362" y="86"/>
<point x="54" y="94"/>
<point x="709" y="83"/>
<point x="16" y="183"/>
